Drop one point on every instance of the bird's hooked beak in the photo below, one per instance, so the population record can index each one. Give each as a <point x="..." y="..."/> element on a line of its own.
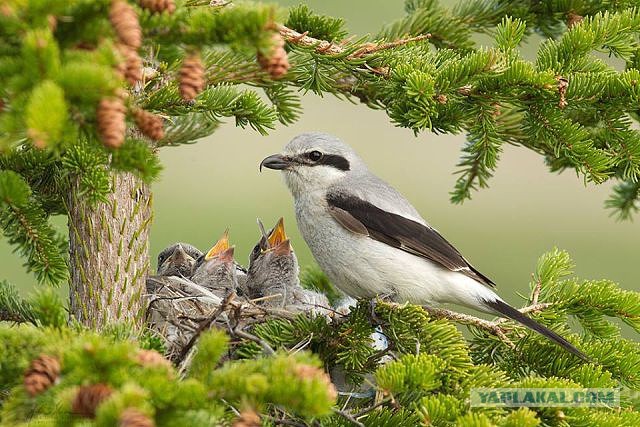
<point x="221" y="248"/>
<point x="275" y="161"/>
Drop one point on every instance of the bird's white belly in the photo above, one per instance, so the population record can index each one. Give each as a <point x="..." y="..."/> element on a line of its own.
<point x="363" y="268"/>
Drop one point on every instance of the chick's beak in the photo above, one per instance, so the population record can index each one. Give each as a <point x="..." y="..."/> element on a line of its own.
<point x="283" y="248"/>
<point x="278" y="235"/>
<point x="226" y="255"/>
<point x="178" y="255"/>
<point x="221" y="245"/>
<point x="276" y="161"/>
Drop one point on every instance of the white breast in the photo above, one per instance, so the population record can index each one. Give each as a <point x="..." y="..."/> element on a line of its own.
<point x="363" y="268"/>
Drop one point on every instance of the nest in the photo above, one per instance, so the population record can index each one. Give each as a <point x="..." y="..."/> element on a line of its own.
<point x="180" y="310"/>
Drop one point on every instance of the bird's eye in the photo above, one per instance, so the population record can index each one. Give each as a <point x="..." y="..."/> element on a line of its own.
<point x="314" y="155"/>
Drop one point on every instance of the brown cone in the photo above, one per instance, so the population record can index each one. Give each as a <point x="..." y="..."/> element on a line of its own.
<point x="311" y="372"/>
<point x="158" y="6"/>
<point x="88" y="398"/>
<point x="151" y="125"/>
<point x="192" y="79"/>
<point x="131" y="68"/>
<point x="132" y="417"/>
<point x="151" y="357"/>
<point x="41" y="374"/>
<point x="248" y="418"/>
<point x="111" y="121"/>
<point x="275" y="61"/>
<point x="125" y="22"/>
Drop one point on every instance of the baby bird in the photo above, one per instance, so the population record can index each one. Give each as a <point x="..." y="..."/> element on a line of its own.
<point x="216" y="270"/>
<point x="273" y="274"/>
<point x="177" y="260"/>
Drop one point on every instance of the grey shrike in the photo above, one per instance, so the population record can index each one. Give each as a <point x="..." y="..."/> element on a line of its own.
<point x="371" y="241"/>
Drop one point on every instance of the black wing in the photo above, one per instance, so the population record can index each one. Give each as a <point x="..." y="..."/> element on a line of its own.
<point x="362" y="217"/>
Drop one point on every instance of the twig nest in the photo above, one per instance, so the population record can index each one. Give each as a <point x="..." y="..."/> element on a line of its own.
<point x="132" y="417"/>
<point x="124" y="20"/>
<point x="158" y="6"/>
<point x="111" y="115"/>
<point x="247" y="418"/>
<point x="150" y="124"/>
<point x="275" y="60"/>
<point x="152" y="358"/>
<point x="88" y="398"/>
<point x="192" y="78"/>
<point x="41" y="374"/>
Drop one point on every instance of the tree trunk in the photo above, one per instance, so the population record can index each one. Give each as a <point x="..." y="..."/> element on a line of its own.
<point x="109" y="253"/>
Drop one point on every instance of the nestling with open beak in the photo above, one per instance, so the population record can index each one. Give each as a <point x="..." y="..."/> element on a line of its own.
<point x="216" y="270"/>
<point x="177" y="260"/>
<point x="273" y="274"/>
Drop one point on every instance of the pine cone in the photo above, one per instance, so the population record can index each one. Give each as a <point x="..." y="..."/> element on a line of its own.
<point x="311" y="372"/>
<point x="131" y="68"/>
<point x="573" y="19"/>
<point x="41" y="374"/>
<point x="132" y="417"/>
<point x="151" y="357"/>
<point x="88" y="398"/>
<point x="125" y="21"/>
<point x="159" y="6"/>
<point x="111" y="121"/>
<point x="275" y="61"/>
<point x="192" y="79"/>
<point x="248" y="418"/>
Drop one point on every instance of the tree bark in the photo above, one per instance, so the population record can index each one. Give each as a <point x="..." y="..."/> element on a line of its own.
<point x="109" y="253"/>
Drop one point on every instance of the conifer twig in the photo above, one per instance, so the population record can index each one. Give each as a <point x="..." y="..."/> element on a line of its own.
<point x="347" y="416"/>
<point x="246" y="335"/>
<point x="330" y="48"/>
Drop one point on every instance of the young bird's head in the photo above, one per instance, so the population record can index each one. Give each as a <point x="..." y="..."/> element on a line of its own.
<point x="273" y="267"/>
<point x="314" y="161"/>
<point x="177" y="260"/>
<point x="216" y="269"/>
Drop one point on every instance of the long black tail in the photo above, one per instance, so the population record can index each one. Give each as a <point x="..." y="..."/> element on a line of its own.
<point x="506" y="310"/>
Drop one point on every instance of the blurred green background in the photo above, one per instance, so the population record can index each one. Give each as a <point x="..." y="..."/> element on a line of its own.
<point x="215" y="184"/>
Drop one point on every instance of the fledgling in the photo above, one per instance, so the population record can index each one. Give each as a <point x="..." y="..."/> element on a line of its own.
<point x="371" y="241"/>
<point x="216" y="270"/>
<point x="273" y="275"/>
<point x="177" y="260"/>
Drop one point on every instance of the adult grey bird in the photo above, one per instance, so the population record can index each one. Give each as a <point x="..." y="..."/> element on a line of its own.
<point x="273" y="273"/>
<point x="371" y="241"/>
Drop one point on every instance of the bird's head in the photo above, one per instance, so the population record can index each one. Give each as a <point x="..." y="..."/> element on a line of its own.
<point x="177" y="260"/>
<point x="314" y="161"/>
<point x="272" y="263"/>
<point x="216" y="269"/>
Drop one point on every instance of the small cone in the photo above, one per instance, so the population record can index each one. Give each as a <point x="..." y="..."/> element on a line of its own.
<point x="125" y="22"/>
<point x="192" y="79"/>
<point x="150" y="124"/>
<point x="152" y="358"/>
<point x="41" y="374"/>
<point x="111" y="122"/>
<point x="248" y="418"/>
<point x="131" y="68"/>
<point x="88" y="398"/>
<point x="132" y="417"/>
<point x="158" y="6"/>
<point x="311" y="372"/>
<point x="275" y="61"/>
